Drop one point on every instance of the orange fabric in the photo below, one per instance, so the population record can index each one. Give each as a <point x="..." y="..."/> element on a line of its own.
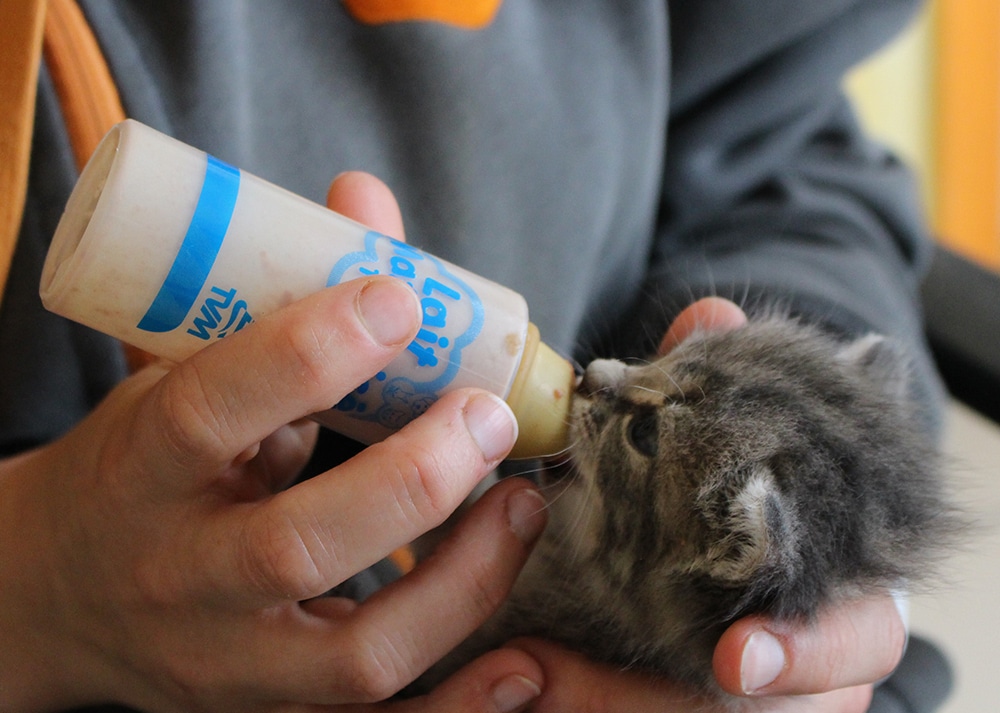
<point x="404" y="559"/>
<point x="20" y="51"/>
<point x="86" y="92"/>
<point x="467" y="14"/>
<point x="967" y="154"/>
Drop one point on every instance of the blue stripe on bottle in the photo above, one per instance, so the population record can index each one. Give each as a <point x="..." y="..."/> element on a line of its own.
<point x="198" y="251"/>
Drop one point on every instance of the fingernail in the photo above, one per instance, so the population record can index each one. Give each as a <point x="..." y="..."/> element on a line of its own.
<point x="762" y="663"/>
<point x="527" y="514"/>
<point x="513" y="693"/>
<point x="491" y="424"/>
<point x="388" y="310"/>
<point x="902" y="601"/>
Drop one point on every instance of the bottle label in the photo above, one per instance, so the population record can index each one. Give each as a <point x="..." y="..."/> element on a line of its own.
<point x="452" y="319"/>
<point x="198" y="251"/>
<point x="221" y="311"/>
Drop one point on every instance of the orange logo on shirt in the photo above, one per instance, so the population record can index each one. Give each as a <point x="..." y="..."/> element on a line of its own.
<point x="468" y="14"/>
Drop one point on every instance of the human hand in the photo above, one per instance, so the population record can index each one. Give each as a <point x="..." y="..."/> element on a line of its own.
<point x="828" y="666"/>
<point x="162" y="561"/>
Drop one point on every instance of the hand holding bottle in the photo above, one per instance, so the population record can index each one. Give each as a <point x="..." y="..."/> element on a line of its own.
<point x="162" y="563"/>
<point x="170" y="249"/>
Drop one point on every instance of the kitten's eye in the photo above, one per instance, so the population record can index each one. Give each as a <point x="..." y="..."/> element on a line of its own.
<point x="644" y="432"/>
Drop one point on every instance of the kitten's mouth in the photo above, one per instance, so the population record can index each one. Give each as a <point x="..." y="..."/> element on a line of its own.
<point x="560" y="469"/>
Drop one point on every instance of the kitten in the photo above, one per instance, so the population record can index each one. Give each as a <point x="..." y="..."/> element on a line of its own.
<point x="769" y="469"/>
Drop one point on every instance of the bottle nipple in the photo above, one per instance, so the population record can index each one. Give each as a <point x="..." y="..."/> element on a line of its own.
<point x="540" y="398"/>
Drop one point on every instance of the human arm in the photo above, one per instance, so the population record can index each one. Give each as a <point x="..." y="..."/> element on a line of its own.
<point x="772" y="193"/>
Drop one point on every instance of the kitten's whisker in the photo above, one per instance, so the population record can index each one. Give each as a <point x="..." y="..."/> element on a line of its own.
<point x="649" y="390"/>
<point x="636" y="361"/>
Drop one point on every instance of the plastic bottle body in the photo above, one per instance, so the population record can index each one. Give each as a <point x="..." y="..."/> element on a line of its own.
<point x="169" y="249"/>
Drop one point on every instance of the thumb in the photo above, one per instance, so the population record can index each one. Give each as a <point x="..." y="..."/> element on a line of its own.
<point x="709" y="314"/>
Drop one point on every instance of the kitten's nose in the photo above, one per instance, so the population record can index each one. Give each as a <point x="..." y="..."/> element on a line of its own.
<point x="602" y="377"/>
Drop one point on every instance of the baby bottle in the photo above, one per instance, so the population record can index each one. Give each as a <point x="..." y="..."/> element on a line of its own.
<point x="169" y="249"/>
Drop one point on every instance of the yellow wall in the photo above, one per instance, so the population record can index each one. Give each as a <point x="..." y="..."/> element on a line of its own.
<point x="967" y="139"/>
<point x="934" y="96"/>
<point x="893" y="93"/>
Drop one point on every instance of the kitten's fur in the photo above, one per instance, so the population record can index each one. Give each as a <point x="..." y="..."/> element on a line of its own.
<point x="768" y="469"/>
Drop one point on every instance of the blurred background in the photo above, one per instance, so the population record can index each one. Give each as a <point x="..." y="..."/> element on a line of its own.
<point x="934" y="96"/>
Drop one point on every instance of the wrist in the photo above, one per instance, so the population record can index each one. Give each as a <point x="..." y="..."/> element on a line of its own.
<point x="38" y="663"/>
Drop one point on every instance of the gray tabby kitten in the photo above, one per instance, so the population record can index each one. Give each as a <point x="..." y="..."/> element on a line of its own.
<point x="768" y="469"/>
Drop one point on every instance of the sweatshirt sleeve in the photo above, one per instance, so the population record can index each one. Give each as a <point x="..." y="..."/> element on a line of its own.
<point x="772" y="193"/>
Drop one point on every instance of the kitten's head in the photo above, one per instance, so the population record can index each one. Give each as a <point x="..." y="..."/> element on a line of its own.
<point x="761" y="469"/>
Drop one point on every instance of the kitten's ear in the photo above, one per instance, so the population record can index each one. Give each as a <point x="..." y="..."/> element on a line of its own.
<point x="760" y="533"/>
<point x="882" y="361"/>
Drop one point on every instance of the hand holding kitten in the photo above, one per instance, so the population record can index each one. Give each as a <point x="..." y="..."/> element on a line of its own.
<point x="829" y="666"/>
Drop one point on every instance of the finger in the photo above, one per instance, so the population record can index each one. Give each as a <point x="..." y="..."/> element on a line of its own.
<point x="856" y="699"/>
<point x="845" y="700"/>
<point x="364" y="198"/>
<point x="205" y="412"/>
<point x="310" y="538"/>
<point x="417" y="620"/>
<point x="382" y="645"/>
<point x="504" y="681"/>
<point x="851" y="644"/>
<point x="574" y="683"/>
<point x="707" y="314"/>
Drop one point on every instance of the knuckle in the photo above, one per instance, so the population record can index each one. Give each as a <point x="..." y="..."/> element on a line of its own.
<point x="279" y="556"/>
<point x="486" y="591"/>
<point x="372" y="675"/>
<point x="189" y="425"/>
<point x="312" y="353"/>
<point x="865" y="647"/>
<point x="423" y="490"/>
<point x="828" y="666"/>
